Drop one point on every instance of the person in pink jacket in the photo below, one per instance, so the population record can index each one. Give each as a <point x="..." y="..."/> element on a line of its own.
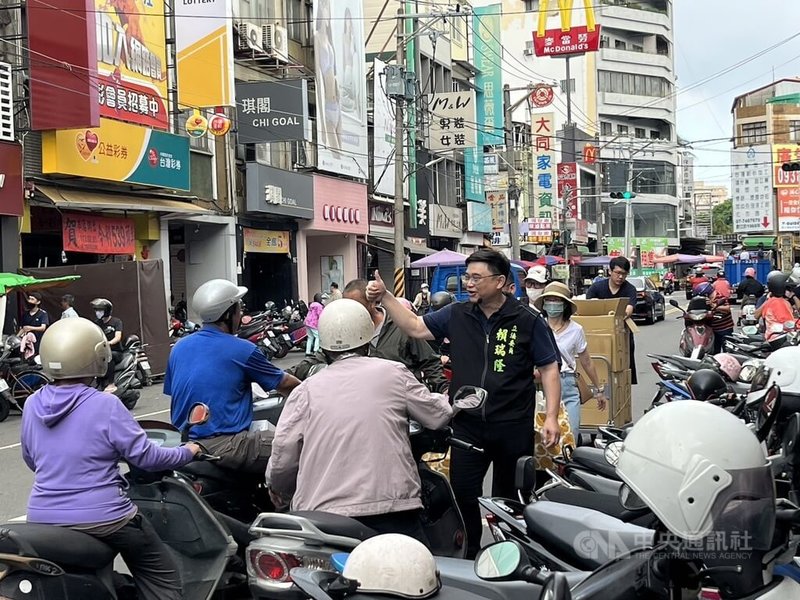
<point x="341" y="444"/>
<point x="312" y="325"/>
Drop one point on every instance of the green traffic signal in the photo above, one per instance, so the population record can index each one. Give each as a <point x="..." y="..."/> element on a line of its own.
<point x="623" y="195"/>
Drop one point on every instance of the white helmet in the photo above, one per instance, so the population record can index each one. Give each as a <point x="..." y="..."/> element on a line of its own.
<point x="784" y="364"/>
<point x="700" y="469"/>
<point x="393" y="564"/>
<point x="345" y="325"/>
<point x="73" y="349"/>
<point x="214" y="297"/>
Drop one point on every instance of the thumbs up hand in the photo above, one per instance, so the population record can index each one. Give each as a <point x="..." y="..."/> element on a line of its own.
<point x="376" y="288"/>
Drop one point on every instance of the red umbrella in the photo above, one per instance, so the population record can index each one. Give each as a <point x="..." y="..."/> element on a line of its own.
<point x="548" y="260"/>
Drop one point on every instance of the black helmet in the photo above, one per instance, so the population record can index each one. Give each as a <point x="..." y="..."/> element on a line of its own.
<point x="776" y="283"/>
<point x="706" y="384"/>
<point x="102" y="304"/>
<point x="440" y="300"/>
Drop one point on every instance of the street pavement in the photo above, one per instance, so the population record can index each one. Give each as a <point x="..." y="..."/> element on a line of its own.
<point x="16" y="479"/>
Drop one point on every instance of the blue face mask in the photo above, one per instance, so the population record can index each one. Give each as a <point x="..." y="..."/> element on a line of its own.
<point x="553" y="308"/>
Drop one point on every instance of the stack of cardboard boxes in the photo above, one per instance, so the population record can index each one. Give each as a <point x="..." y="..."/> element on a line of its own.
<point x="608" y="336"/>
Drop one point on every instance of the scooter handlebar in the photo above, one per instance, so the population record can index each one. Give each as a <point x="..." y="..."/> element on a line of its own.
<point x="456" y="443"/>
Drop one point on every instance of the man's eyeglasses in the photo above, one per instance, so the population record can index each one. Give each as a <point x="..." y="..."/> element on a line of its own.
<point x="620" y="273"/>
<point x="476" y="279"/>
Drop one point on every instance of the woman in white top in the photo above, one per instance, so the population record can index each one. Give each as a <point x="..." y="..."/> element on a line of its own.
<point x="556" y="303"/>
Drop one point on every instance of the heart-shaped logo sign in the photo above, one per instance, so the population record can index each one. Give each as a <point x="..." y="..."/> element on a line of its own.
<point x="86" y="142"/>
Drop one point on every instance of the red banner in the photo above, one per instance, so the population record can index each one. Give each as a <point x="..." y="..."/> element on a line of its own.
<point x="568" y="187"/>
<point x="11" y="179"/>
<point x="577" y="40"/>
<point x="98" y="235"/>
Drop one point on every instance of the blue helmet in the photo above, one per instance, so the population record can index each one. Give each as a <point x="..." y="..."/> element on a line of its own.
<point x="703" y="289"/>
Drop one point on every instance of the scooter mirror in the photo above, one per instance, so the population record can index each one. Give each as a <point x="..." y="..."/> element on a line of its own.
<point x="469" y="397"/>
<point x="789" y="325"/>
<point x="674" y="303"/>
<point x="502" y="561"/>
<point x="246" y="320"/>
<point x="556" y="588"/>
<point x="750" y="330"/>
<point x="768" y="412"/>
<point x="629" y="499"/>
<point x="791" y="436"/>
<point x="612" y="452"/>
<point x="198" y="414"/>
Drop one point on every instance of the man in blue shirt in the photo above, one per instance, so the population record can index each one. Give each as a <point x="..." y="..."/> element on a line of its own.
<point x="617" y="286"/>
<point x="215" y="367"/>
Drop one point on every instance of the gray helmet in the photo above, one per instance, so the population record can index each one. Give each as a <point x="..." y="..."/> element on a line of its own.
<point x="345" y="325"/>
<point x="440" y="300"/>
<point x="214" y="297"/>
<point x="776" y="282"/>
<point x="74" y="348"/>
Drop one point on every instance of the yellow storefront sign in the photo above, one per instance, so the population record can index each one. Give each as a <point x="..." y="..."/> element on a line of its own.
<point x="781" y="154"/>
<point x="266" y="241"/>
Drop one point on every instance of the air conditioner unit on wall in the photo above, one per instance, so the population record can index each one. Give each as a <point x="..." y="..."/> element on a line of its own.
<point x="275" y="40"/>
<point x="250" y="37"/>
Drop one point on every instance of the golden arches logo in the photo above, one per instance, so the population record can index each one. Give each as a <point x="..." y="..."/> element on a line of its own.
<point x="565" y="9"/>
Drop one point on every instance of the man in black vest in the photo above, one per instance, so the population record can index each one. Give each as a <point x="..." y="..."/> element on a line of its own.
<point x="495" y="343"/>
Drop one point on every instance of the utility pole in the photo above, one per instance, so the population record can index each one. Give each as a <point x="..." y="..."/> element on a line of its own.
<point x="399" y="142"/>
<point x="629" y="206"/>
<point x="513" y="195"/>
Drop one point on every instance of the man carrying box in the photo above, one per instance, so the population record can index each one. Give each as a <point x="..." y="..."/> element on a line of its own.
<point x="617" y="286"/>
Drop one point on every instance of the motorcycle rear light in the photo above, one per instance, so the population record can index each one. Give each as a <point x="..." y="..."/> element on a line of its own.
<point x="657" y="367"/>
<point x="273" y="566"/>
<point x="709" y="594"/>
<point x="198" y="487"/>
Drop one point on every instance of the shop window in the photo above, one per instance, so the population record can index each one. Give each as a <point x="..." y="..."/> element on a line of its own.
<point x="202" y="180"/>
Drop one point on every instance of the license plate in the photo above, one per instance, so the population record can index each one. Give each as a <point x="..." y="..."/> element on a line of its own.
<point x="3" y="385"/>
<point x="145" y="365"/>
<point x="287" y="337"/>
<point x="271" y="334"/>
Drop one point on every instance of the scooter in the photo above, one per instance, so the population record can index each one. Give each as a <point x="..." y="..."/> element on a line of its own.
<point x="293" y="539"/>
<point x="126" y="384"/>
<point x="697" y="333"/>
<point x="143" y="371"/>
<point x="748" y="315"/>
<point x="46" y="561"/>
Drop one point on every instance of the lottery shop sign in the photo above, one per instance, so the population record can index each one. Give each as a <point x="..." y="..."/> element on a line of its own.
<point x="120" y="152"/>
<point x="98" y="235"/>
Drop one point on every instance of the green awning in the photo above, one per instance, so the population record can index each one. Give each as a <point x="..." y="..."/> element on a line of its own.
<point x="752" y="241"/>
<point x="10" y="281"/>
<point x="786" y="99"/>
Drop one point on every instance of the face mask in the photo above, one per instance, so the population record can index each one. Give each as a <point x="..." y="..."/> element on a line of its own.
<point x="99" y="314"/>
<point x="29" y="305"/>
<point x="554" y="309"/>
<point x="533" y="293"/>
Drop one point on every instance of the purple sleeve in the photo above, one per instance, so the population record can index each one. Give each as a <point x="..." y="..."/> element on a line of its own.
<point x="130" y="440"/>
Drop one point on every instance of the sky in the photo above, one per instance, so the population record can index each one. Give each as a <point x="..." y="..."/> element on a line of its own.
<point x="711" y="36"/>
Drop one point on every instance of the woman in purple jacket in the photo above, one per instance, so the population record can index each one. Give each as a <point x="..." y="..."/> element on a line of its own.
<point x="73" y="437"/>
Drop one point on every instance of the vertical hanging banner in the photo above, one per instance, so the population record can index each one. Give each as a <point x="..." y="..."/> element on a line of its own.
<point x="568" y="187"/>
<point x="204" y="47"/>
<point x="383" y="178"/>
<point x="132" y="61"/>
<point x="341" y="87"/>
<point x="487" y="28"/>
<point x="544" y="167"/>
<point x="474" y="187"/>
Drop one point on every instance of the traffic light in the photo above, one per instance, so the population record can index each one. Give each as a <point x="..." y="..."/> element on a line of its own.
<point x="795" y="166"/>
<point x="623" y="195"/>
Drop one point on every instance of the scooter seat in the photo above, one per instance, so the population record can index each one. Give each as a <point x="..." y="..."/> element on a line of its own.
<point x="336" y="524"/>
<point x="61" y="545"/>
<point x="594" y="459"/>
<point x="604" y="503"/>
<point x="208" y="470"/>
<point x="586" y="538"/>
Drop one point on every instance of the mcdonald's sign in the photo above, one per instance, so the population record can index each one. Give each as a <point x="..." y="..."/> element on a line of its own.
<point x="567" y="39"/>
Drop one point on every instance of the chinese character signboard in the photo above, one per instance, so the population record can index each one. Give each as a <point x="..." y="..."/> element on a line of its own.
<point x="474" y="169"/>
<point x="650" y="248"/>
<point x="204" y="49"/>
<point x="132" y="61"/>
<point x="446" y="221"/>
<point x="486" y="23"/>
<point x="265" y="242"/>
<point x="568" y="187"/>
<point x="751" y="183"/>
<point x="544" y="165"/>
<point x="789" y="208"/>
<point x="271" y="111"/>
<point x="479" y="217"/>
<point x="120" y="152"/>
<point x="499" y="204"/>
<point x="540" y="231"/>
<point x="784" y="153"/>
<point x="452" y="117"/>
<point x="567" y="39"/>
<point x="83" y="232"/>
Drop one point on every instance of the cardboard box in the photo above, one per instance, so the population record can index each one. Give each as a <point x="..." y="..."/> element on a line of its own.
<point x="618" y="409"/>
<point x="607" y="330"/>
<point x="615" y="348"/>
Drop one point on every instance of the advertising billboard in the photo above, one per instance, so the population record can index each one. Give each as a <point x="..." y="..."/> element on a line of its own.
<point x="132" y="61"/>
<point x="383" y="178"/>
<point x="271" y="111"/>
<point x="119" y="152"/>
<point x="341" y="87"/>
<point x="544" y="166"/>
<point x="566" y="40"/>
<point x="204" y="47"/>
<point x="452" y="121"/>
<point x="488" y="51"/>
<point x="751" y="188"/>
